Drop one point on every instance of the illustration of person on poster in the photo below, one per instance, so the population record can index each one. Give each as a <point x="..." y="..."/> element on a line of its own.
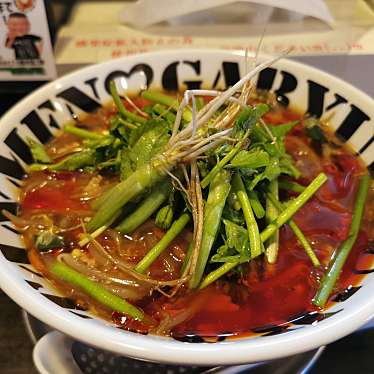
<point x="25" y="46"/>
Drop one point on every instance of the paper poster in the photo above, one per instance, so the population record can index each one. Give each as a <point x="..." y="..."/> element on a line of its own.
<point x="25" y="43"/>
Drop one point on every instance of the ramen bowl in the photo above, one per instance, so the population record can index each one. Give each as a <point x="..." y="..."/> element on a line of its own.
<point x="39" y="115"/>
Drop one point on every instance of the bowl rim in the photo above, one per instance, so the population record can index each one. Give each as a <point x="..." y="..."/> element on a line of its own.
<point x="163" y="349"/>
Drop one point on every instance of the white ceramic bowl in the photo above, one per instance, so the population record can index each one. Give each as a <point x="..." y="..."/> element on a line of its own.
<point x="51" y="106"/>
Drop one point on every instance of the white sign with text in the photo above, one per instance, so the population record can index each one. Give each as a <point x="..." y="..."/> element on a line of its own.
<point x="25" y="43"/>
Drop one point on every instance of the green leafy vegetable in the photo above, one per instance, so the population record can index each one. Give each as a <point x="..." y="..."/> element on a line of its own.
<point x="236" y="247"/>
<point x="164" y="217"/>
<point x="253" y="159"/>
<point x="314" y="132"/>
<point x="38" y="152"/>
<point x="272" y="227"/>
<point x="280" y="131"/>
<point x="79" y="160"/>
<point x="236" y="236"/>
<point x="146" y="142"/>
<point x="47" y="240"/>
<point x="271" y="172"/>
<point x="161" y="111"/>
<point x="250" y="116"/>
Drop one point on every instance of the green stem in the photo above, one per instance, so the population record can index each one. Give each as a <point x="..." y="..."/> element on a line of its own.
<point x="256" y="205"/>
<point x="294" y="206"/>
<point x="168" y="101"/>
<point x="218" y="273"/>
<point x="291" y="186"/>
<point x="84" y="134"/>
<point x="175" y="229"/>
<point x="99" y="201"/>
<point x="121" y="108"/>
<point x="298" y="233"/>
<point x="75" y="161"/>
<point x="250" y="220"/>
<point x="218" y="192"/>
<point x="39" y="153"/>
<point x="163" y="111"/>
<point x="88" y="237"/>
<point x="147" y="207"/>
<point x="188" y="257"/>
<point x="144" y="177"/>
<point x="129" y="125"/>
<point x="272" y="244"/>
<point x="95" y="290"/>
<point x="336" y="265"/>
<point x="220" y="164"/>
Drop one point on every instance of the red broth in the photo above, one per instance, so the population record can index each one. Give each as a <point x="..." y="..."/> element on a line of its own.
<point x="268" y="295"/>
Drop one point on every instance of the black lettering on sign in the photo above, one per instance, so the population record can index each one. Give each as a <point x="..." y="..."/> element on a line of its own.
<point x="366" y="145"/>
<point x="15" y="184"/>
<point x="30" y="270"/>
<point x="18" y="146"/>
<point x="48" y="105"/>
<point x="310" y="318"/>
<point x="34" y="285"/>
<point x="288" y="84"/>
<point x="346" y="294"/>
<point x="169" y="79"/>
<point x="10" y="207"/>
<point x="73" y="115"/>
<point x="363" y="271"/>
<point x="37" y="126"/>
<point x="371" y="169"/>
<point x="190" y="339"/>
<point x="316" y="98"/>
<point x="194" y="84"/>
<point x="272" y="329"/>
<point x="144" y="68"/>
<point x="231" y="74"/>
<point x="10" y="228"/>
<point x="370" y="250"/>
<point x="306" y="318"/>
<point x="279" y="330"/>
<point x="64" y="302"/>
<point x="338" y="100"/>
<point x="11" y="168"/>
<point x="351" y="123"/>
<point x="2" y="194"/>
<point x="77" y="97"/>
<point x="266" y="78"/>
<point x="82" y="316"/>
<point x="14" y="254"/>
<point x="92" y="84"/>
